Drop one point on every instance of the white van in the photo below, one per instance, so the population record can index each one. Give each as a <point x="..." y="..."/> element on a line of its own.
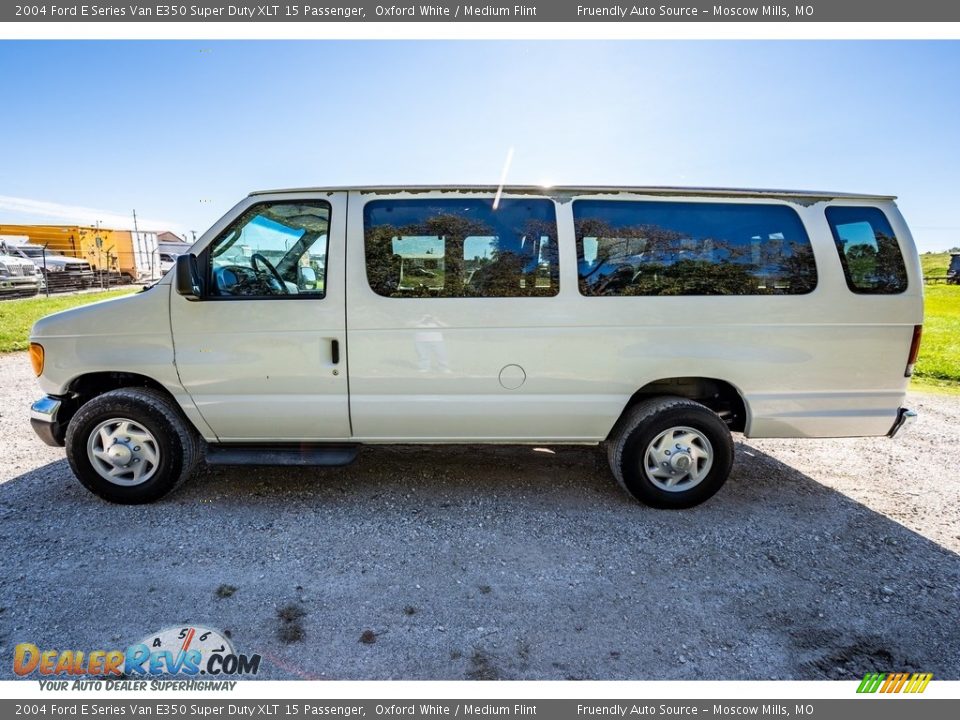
<point x="652" y="321"/>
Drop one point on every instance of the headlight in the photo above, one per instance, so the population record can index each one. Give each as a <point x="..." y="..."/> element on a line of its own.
<point x="3" y="271"/>
<point x="36" y="358"/>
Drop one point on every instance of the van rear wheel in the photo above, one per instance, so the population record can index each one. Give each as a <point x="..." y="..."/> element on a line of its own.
<point x="131" y="446"/>
<point x="670" y="452"/>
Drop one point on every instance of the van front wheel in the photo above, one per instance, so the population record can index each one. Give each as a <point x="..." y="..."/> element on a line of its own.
<point x="131" y="446"/>
<point x="670" y="452"/>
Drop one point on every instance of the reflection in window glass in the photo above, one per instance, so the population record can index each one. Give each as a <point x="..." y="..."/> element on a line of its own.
<point x="685" y="248"/>
<point x="461" y="248"/>
<point x="869" y="252"/>
<point x="273" y="249"/>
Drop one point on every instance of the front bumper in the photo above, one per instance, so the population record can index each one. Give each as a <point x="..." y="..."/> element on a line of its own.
<point x="19" y="284"/>
<point x="905" y="418"/>
<point x="43" y="419"/>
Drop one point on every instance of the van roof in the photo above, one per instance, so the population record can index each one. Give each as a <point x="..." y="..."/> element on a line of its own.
<point x="591" y="189"/>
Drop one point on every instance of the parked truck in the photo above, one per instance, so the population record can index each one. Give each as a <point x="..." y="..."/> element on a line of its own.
<point x="59" y="272"/>
<point x="953" y="272"/>
<point x="133" y="255"/>
<point x="18" y="277"/>
<point x="46" y="259"/>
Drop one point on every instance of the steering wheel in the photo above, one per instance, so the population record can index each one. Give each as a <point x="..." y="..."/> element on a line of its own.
<point x="271" y="269"/>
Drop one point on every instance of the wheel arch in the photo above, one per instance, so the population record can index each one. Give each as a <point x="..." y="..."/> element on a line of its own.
<point x="87" y="386"/>
<point x="96" y="383"/>
<point x="721" y="396"/>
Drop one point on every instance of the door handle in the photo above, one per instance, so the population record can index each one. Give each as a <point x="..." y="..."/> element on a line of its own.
<point x="335" y="352"/>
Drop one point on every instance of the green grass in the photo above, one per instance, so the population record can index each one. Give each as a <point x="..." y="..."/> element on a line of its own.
<point x="18" y="316"/>
<point x="939" y="361"/>
<point x="935" y="264"/>
<point x="935" y="387"/>
<point x="938" y="369"/>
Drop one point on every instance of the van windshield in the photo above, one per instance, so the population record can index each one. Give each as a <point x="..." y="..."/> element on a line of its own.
<point x="32" y="251"/>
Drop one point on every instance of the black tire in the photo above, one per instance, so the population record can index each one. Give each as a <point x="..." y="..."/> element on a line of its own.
<point x="178" y="444"/>
<point x="642" y="424"/>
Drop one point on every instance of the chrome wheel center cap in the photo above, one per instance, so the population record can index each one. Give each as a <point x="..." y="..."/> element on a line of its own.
<point x="119" y="454"/>
<point x="680" y="462"/>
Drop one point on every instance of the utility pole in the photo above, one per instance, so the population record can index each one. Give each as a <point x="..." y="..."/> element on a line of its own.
<point x="99" y="243"/>
<point x="108" y="264"/>
<point x="46" y="285"/>
<point x="143" y="246"/>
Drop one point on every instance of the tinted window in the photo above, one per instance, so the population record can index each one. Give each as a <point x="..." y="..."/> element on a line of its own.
<point x="683" y="248"/>
<point x="461" y="248"/>
<point x="869" y="252"/>
<point x="272" y="250"/>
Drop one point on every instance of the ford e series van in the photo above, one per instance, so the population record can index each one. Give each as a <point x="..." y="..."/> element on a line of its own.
<point x="653" y="322"/>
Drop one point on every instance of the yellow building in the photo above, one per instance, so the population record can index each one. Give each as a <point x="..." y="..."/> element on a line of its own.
<point x="105" y="249"/>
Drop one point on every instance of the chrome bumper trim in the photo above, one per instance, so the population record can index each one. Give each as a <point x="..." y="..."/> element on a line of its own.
<point x="43" y="420"/>
<point x="45" y="409"/>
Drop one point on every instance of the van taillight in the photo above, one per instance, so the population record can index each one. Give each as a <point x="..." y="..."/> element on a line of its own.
<point x="914" y="350"/>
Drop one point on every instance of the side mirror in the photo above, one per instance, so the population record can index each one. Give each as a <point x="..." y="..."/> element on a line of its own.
<point x="308" y="277"/>
<point x="187" y="278"/>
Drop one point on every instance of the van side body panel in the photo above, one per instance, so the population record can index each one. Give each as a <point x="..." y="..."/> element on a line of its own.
<point x="261" y="370"/>
<point x="853" y="382"/>
<point x="121" y="335"/>
<point x="826" y="364"/>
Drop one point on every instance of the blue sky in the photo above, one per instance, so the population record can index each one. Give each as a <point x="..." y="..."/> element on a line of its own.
<point x="181" y="130"/>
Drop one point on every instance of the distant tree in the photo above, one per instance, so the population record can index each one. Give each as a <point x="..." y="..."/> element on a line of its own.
<point x="862" y="262"/>
<point x="383" y="265"/>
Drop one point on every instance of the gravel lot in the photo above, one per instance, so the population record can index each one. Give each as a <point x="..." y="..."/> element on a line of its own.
<point x="819" y="559"/>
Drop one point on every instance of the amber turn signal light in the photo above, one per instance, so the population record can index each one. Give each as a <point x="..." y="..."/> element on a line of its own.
<point x="36" y="358"/>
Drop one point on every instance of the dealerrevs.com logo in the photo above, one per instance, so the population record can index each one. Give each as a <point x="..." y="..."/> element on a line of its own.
<point x="190" y="651"/>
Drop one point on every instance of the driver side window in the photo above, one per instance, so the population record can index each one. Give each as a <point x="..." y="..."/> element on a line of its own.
<point x="273" y="250"/>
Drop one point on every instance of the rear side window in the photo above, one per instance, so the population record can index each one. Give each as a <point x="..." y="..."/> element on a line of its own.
<point x="869" y="251"/>
<point x="461" y="248"/>
<point x="688" y="248"/>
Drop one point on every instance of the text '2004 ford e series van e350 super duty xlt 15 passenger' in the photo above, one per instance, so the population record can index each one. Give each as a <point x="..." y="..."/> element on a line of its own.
<point x="653" y="321"/>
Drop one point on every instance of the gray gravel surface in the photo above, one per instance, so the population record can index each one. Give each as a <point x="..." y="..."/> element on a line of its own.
<point x="819" y="559"/>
